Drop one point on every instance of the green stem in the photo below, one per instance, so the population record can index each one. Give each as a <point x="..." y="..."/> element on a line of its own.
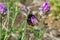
<point x="7" y="25"/>
<point x="13" y="20"/>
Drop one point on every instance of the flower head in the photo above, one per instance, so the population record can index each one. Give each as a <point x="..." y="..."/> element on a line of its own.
<point x="45" y="7"/>
<point x="33" y="19"/>
<point x="23" y="8"/>
<point x="3" y="8"/>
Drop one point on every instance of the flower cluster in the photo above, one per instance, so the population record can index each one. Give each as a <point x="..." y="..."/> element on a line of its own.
<point x="3" y="8"/>
<point x="33" y="19"/>
<point x="45" y="7"/>
<point x="23" y="8"/>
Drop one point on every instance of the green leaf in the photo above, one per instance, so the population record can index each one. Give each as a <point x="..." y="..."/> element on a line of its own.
<point x="13" y="29"/>
<point x="23" y="28"/>
<point x="36" y="33"/>
<point x="23" y="25"/>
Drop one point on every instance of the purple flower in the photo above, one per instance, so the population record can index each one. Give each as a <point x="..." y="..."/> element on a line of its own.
<point x="45" y="7"/>
<point x="3" y="8"/>
<point x="33" y="20"/>
<point x="23" y="8"/>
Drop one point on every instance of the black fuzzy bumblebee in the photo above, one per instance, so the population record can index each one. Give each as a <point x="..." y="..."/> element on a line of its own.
<point x="31" y="20"/>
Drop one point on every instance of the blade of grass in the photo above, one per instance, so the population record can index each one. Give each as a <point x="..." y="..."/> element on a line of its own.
<point x="23" y="27"/>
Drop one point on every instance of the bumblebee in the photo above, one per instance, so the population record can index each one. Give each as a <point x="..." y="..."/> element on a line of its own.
<point x="32" y="20"/>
